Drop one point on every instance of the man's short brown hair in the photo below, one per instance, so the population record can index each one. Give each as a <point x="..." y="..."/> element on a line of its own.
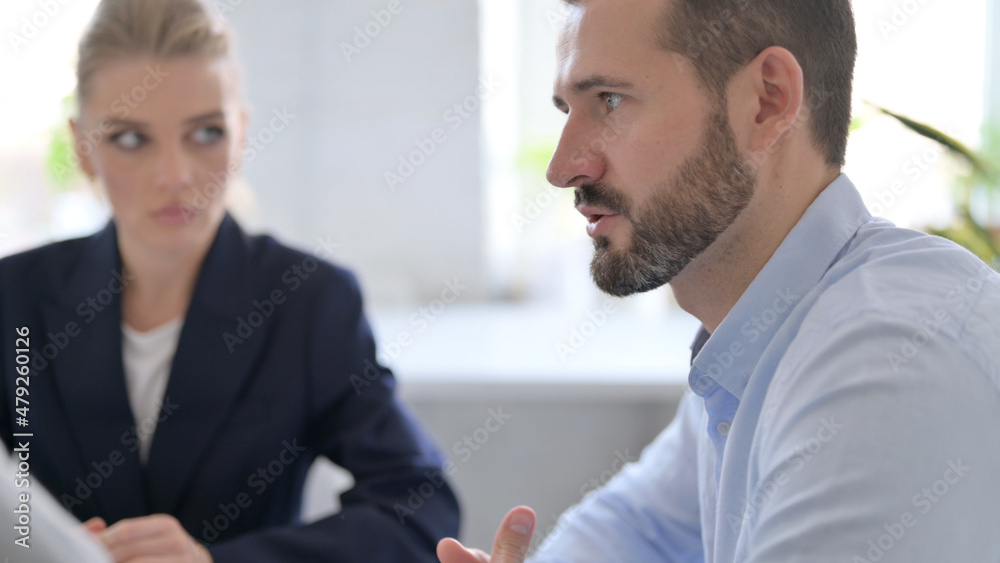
<point x="722" y="36"/>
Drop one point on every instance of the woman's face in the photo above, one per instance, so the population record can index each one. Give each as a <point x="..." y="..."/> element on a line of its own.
<point x="163" y="136"/>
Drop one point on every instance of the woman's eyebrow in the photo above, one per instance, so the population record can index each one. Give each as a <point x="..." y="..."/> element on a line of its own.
<point x="137" y="124"/>
<point x="211" y="115"/>
<point x="124" y="123"/>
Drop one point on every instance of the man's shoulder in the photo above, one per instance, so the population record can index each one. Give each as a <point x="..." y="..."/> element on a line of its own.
<point x="895" y="295"/>
<point x="902" y="275"/>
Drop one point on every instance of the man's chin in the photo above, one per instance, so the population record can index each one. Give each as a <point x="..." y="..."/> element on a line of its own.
<point x="621" y="273"/>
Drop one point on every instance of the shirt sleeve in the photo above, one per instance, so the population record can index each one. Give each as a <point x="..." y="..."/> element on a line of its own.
<point x="878" y="443"/>
<point x="648" y="512"/>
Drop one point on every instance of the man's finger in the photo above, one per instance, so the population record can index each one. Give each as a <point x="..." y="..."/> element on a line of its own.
<point x="451" y="551"/>
<point x="514" y="536"/>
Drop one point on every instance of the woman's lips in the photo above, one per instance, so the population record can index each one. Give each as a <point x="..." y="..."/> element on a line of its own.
<point x="174" y="214"/>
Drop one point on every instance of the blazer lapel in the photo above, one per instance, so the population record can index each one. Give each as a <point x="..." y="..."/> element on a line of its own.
<point x="90" y="380"/>
<point x="206" y="379"/>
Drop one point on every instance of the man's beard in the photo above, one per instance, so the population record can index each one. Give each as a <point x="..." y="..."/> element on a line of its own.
<point x="684" y="216"/>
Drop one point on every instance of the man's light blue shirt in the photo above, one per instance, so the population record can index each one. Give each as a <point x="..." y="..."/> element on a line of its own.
<point x="847" y="409"/>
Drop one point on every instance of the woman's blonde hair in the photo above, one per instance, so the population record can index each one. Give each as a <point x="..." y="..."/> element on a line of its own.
<point x="163" y="29"/>
<point x="125" y="29"/>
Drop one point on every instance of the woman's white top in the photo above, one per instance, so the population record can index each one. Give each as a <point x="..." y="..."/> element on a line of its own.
<point x="147" y="357"/>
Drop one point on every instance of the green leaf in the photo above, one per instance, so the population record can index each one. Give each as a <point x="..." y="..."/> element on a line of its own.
<point x="61" y="161"/>
<point x="534" y="157"/>
<point x="950" y="143"/>
<point x="858" y="122"/>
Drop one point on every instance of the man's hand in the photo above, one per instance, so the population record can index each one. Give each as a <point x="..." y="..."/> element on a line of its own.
<point x="160" y="537"/>
<point x="509" y="546"/>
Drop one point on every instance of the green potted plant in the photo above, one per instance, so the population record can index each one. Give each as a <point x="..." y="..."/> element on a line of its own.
<point x="976" y="193"/>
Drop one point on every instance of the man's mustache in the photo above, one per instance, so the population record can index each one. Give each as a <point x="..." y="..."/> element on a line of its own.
<point x="601" y="195"/>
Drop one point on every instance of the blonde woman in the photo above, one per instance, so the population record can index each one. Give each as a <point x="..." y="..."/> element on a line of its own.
<point x="184" y="375"/>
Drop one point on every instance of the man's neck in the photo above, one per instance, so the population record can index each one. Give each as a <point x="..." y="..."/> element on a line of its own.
<point x="710" y="285"/>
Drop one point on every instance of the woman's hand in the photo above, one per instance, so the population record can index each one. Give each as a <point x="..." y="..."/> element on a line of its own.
<point x="159" y="536"/>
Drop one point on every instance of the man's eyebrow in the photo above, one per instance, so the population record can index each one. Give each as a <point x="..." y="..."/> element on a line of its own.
<point x="600" y="81"/>
<point x="595" y="81"/>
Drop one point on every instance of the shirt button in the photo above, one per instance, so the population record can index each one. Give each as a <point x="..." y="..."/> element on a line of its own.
<point x="723" y="428"/>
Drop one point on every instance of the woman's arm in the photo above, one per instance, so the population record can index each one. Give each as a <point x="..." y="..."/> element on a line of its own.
<point x="401" y="504"/>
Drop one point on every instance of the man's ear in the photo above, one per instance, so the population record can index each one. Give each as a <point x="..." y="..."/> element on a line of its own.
<point x="83" y="148"/>
<point x="779" y="93"/>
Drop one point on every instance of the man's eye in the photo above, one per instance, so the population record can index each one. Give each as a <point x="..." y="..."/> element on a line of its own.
<point x="129" y="140"/>
<point x="612" y="100"/>
<point x="207" y="135"/>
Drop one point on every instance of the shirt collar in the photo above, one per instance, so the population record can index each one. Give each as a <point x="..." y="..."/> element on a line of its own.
<point x="730" y="354"/>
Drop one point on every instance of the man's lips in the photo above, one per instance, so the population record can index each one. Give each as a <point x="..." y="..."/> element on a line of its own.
<point x="597" y="219"/>
<point x="594" y="213"/>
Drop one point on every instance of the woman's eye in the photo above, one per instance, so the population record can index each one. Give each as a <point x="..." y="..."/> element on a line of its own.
<point x="207" y="135"/>
<point x="612" y="100"/>
<point x="129" y="140"/>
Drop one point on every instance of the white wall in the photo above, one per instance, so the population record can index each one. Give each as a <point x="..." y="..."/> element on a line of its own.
<point x="323" y="177"/>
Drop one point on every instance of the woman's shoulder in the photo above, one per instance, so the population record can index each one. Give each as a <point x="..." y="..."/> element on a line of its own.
<point x="295" y="266"/>
<point x="47" y="263"/>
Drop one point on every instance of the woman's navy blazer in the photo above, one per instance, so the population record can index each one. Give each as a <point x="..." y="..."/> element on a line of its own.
<point x="275" y="365"/>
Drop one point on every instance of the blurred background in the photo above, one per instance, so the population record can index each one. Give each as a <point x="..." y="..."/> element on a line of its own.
<point x="415" y="148"/>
